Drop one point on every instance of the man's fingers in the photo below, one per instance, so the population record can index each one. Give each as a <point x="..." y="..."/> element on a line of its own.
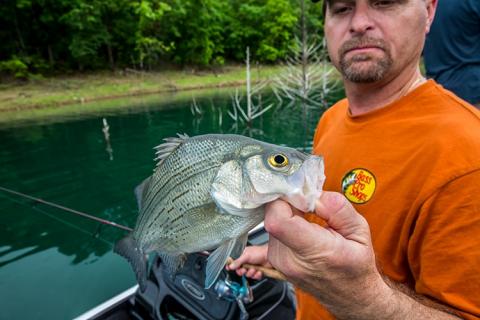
<point x="340" y="215"/>
<point x="241" y="271"/>
<point x="238" y="262"/>
<point x="291" y="229"/>
<point x="251" y="272"/>
<point x="256" y="255"/>
<point x="298" y="234"/>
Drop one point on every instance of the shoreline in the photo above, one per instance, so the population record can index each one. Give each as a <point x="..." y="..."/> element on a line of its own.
<point x="105" y="107"/>
<point x="58" y="104"/>
<point x="68" y="90"/>
<point x="65" y="98"/>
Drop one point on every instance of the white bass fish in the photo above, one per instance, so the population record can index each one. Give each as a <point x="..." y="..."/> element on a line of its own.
<point x="207" y="192"/>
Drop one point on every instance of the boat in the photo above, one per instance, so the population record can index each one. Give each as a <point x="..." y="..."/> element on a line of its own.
<point x="184" y="297"/>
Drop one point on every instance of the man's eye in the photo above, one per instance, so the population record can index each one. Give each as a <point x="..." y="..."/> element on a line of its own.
<point x="341" y="9"/>
<point x="383" y="3"/>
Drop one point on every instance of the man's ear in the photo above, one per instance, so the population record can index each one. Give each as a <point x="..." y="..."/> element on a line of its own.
<point x="431" y="6"/>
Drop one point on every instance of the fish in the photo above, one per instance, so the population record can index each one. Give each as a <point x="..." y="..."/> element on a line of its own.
<point x="207" y="192"/>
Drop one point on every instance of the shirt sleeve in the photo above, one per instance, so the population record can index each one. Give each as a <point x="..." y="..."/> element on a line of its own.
<point x="475" y="7"/>
<point x="444" y="247"/>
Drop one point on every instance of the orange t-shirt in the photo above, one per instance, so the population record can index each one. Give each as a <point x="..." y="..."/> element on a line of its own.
<point x="412" y="169"/>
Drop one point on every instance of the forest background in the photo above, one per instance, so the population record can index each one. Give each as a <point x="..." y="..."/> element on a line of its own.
<point x="50" y="37"/>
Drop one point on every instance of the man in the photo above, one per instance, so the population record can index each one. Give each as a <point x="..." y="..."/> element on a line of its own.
<point x="406" y="155"/>
<point x="452" y="49"/>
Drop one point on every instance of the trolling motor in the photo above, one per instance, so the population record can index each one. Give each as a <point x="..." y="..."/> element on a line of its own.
<point x="234" y="291"/>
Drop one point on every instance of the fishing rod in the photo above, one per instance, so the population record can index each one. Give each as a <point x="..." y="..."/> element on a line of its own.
<point x="51" y="204"/>
<point x="272" y="273"/>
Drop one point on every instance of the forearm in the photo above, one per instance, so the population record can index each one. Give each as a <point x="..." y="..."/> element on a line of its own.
<point x="421" y="306"/>
<point x="383" y="300"/>
<point x="405" y="306"/>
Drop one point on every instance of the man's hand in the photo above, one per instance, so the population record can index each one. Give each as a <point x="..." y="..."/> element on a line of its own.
<point x="255" y="255"/>
<point x="337" y="264"/>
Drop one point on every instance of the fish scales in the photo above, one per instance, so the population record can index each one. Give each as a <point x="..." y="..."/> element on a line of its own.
<point x="174" y="164"/>
<point x="163" y="183"/>
<point x="191" y="162"/>
<point x="215" y="229"/>
<point x="179" y="235"/>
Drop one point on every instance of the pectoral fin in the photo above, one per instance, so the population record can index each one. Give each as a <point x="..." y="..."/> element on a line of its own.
<point x="239" y="246"/>
<point x="216" y="261"/>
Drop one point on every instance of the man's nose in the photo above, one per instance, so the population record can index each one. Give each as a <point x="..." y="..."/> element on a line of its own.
<point x="361" y="21"/>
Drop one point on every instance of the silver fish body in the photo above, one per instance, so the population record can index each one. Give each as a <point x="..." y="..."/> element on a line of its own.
<point x="208" y="191"/>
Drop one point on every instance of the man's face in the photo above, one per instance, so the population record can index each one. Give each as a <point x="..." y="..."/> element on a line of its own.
<point x="369" y="40"/>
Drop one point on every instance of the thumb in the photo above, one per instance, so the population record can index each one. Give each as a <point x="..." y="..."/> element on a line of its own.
<point x="291" y="229"/>
<point x="341" y="216"/>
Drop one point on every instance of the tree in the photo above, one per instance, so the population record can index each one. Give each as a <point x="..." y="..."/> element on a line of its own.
<point x="148" y="44"/>
<point x="195" y="30"/>
<point x="61" y="35"/>
<point x="267" y="26"/>
<point x="93" y="26"/>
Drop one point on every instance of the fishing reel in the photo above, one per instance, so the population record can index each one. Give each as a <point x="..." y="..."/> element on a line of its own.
<point x="234" y="291"/>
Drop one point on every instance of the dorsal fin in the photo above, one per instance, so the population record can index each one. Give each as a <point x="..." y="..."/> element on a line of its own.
<point x="166" y="148"/>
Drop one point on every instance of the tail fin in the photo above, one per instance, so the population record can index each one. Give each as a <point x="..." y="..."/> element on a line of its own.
<point x="128" y="248"/>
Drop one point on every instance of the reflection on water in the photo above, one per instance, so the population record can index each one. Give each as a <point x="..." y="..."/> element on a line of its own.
<point x="106" y="135"/>
<point x="59" y="264"/>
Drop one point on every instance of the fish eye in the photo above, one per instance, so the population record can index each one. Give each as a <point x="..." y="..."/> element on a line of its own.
<point x="278" y="160"/>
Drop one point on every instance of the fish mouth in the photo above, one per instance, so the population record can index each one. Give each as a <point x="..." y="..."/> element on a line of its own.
<point x="307" y="184"/>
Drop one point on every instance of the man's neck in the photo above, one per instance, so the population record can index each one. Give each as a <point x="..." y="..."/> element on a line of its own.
<point x="365" y="97"/>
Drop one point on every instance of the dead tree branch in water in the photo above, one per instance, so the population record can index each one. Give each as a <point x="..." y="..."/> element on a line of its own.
<point x="307" y="78"/>
<point x="253" y="109"/>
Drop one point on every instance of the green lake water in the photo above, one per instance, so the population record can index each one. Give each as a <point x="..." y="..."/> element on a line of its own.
<point x="56" y="265"/>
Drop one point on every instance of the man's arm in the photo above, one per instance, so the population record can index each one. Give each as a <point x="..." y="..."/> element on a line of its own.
<point x="337" y="264"/>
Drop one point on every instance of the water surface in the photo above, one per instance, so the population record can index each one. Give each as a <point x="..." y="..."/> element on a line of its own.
<point x="55" y="265"/>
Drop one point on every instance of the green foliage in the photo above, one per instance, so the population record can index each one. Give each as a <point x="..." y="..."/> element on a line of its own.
<point x="314" y="20"/>
<point x="279" y="24"/>
<point x="267" y="26"/>
<point x="195" y="31"/>
<point x="148" y="44"/>
<point x="93" y="28"/>
<point x="99" y="34"/>
<point x="14" y="67"/>
<point x="29" y="67"/>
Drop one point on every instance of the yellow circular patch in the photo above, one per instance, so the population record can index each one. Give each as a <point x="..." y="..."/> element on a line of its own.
<point x="359" y="185"/>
